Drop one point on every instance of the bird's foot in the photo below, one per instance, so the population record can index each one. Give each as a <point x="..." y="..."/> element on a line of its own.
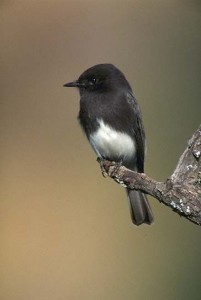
<point x="115" y="169"/>
<point x="106" y="169"/>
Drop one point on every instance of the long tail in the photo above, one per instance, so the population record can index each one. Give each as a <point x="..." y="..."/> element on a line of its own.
<point x="139" y="208"/>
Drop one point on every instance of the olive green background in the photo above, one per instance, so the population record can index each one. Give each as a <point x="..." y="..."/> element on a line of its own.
<point x="65" y="231"/>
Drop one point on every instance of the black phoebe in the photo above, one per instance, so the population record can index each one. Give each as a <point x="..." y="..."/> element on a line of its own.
<point x="111" y="119"/>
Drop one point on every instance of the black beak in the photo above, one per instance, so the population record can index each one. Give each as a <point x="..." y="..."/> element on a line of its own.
<point x="73" y="84"/>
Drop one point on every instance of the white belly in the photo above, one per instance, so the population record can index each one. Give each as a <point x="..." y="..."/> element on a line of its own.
<point x="112" y="144"/>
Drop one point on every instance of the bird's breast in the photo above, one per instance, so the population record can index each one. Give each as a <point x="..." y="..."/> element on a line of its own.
<point x="112" y="144"/>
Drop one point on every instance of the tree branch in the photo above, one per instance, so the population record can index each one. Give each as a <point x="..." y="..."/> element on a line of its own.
<point x="181" y="192"/>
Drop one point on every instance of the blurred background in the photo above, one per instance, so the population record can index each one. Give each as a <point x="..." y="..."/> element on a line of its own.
<point x="65" y="231"/>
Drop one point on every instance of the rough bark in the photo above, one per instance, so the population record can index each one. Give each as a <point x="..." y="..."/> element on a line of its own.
<point x="181" y="192"/>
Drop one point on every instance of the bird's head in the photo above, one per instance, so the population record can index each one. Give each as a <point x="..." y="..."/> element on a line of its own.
<point x="100" y="78"/>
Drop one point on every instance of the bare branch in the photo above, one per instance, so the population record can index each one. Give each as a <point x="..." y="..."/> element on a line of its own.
<point x="181" y="192"/>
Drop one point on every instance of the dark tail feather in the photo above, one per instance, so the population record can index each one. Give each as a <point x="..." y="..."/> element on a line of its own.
<point x="140" y="208"/>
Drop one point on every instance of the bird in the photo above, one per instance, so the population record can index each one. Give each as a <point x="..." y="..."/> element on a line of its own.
<point x="111" y="120"/>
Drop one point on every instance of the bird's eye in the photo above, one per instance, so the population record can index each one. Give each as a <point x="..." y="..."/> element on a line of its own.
<point x="94" y="80"/>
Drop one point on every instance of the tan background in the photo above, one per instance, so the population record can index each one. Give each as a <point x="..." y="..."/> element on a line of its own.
<point x="65" y="231"/>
